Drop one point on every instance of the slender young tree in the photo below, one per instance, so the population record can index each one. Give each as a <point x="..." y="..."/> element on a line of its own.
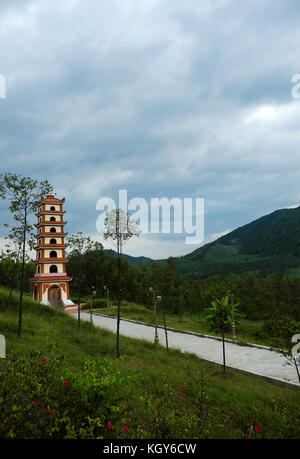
<point x="24" y="195"/>
<point x="79" y="246"/>
<point x="119" y="227"/>
<point x="219" y="318"/>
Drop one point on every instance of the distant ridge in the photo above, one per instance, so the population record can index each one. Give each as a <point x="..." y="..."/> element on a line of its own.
<point x="131" y="260"/>
<point x="270" y="244"/>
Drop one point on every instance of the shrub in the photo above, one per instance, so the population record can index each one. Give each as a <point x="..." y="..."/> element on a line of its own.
<point x="41" y="399"/>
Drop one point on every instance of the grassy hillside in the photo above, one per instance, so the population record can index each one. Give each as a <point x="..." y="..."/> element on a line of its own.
<point x="58" y="382"/>
<point x="270" y="244"/>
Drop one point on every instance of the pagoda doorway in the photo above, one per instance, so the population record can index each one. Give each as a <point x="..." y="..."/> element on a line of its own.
<point x="54" y="297"/>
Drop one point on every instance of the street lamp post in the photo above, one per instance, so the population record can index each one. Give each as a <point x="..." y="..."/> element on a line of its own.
<point x="165" y="325"/>
<point x="156" y="339"/>
<point x="233" y="328"/>
<point x="106" y="289"/>
<point x="93" y="296"/>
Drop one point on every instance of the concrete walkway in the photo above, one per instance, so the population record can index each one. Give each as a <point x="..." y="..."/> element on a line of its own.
<point x="259" y="360"/>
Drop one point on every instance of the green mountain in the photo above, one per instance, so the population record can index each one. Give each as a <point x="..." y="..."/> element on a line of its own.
<point x="270" y="244"/>
<point x="131" y="260"/>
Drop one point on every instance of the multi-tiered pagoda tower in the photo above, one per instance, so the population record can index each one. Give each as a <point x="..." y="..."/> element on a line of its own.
<point x="50" y="285"/>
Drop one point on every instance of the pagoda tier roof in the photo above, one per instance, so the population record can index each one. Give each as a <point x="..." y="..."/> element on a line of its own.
<point x="46" y="212"/>
<point x="50" y="234"/>
<point x="46" y="278"/>
<point x="49" y="223"/>
<point x="52" y="198"/>
<point x="49" y="246"/>
<point x="51" y="260"/>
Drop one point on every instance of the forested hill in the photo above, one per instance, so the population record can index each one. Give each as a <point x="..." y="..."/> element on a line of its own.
<point x="131" y="260"/>
<point x="270" y="244"/>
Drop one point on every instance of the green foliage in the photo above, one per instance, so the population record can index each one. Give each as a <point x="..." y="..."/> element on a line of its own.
<point x="40" y="398"/>
<point x="219" y="316"/>
<point x="209" y="407"/>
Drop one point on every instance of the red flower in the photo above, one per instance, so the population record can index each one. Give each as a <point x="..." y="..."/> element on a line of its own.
<point x="66" y="383"/>
<point x="3" y="429"/>
<point x="248" y="437"/>
<point x="51" y="412"/>
<point x="44" y="359"/>
<point x="258" y="428"/>
<point x="109" y="425"/>
<point x="126" y="429"/>
<point x="34" y="402"/>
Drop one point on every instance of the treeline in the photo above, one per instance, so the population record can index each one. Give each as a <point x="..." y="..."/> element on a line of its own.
<point x="10" y="273"/>
<point x="270" y="297"/>
<point x="273" y="296"/>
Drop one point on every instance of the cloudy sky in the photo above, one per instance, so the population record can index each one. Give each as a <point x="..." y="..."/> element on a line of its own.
<point x="164" y="99"/>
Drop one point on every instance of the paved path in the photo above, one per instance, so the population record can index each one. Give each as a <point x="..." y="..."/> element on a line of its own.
<point x="257" y="360"/>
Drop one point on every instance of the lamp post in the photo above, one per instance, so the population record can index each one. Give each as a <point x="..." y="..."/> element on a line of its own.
<point x="92" y="307"/>
<point x="106" y="289"/>
<point x="233" y="328"/>
<point x="156" y="340"/>
<point x="158" y="298"/>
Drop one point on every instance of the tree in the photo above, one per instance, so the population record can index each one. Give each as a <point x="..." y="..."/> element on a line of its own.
<point x="24" y="195"/>
<point x="80" y="246"/>
<point x="12" y="266"/>
<point x="219" y="318"/>
<point x="119" y="227"/>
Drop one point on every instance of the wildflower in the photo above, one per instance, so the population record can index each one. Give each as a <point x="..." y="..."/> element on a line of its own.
<point x="34" y="402"/>
<point x="3" y="429"/>
<point x="109" y="425"/>
<point x="258" y="428"/>
<point x="126" y="429"/>
<point x="66" y="382"/>
<point x="248" y="437"/>
<point x="44" y="359"/>
<point x="51" y="412"/>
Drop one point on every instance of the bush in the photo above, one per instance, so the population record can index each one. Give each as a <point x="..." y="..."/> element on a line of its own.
<point x="41" y="399"/>
<point x="98" y="303"/>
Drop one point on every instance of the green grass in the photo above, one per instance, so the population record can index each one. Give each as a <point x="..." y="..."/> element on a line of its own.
<point x="247" y="332"/>
<point x="232" y="404"/>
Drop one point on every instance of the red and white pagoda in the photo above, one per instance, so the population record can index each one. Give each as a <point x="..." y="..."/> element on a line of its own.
<point x="50" y="285"/>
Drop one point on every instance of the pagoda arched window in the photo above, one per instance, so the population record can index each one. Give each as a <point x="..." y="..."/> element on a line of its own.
<point x="52" y="241"/>
<point x="53" y="254"/>
<point x="52" y="230"/>
<point x="53" y="269"/>
<point x="52" y="219"/>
